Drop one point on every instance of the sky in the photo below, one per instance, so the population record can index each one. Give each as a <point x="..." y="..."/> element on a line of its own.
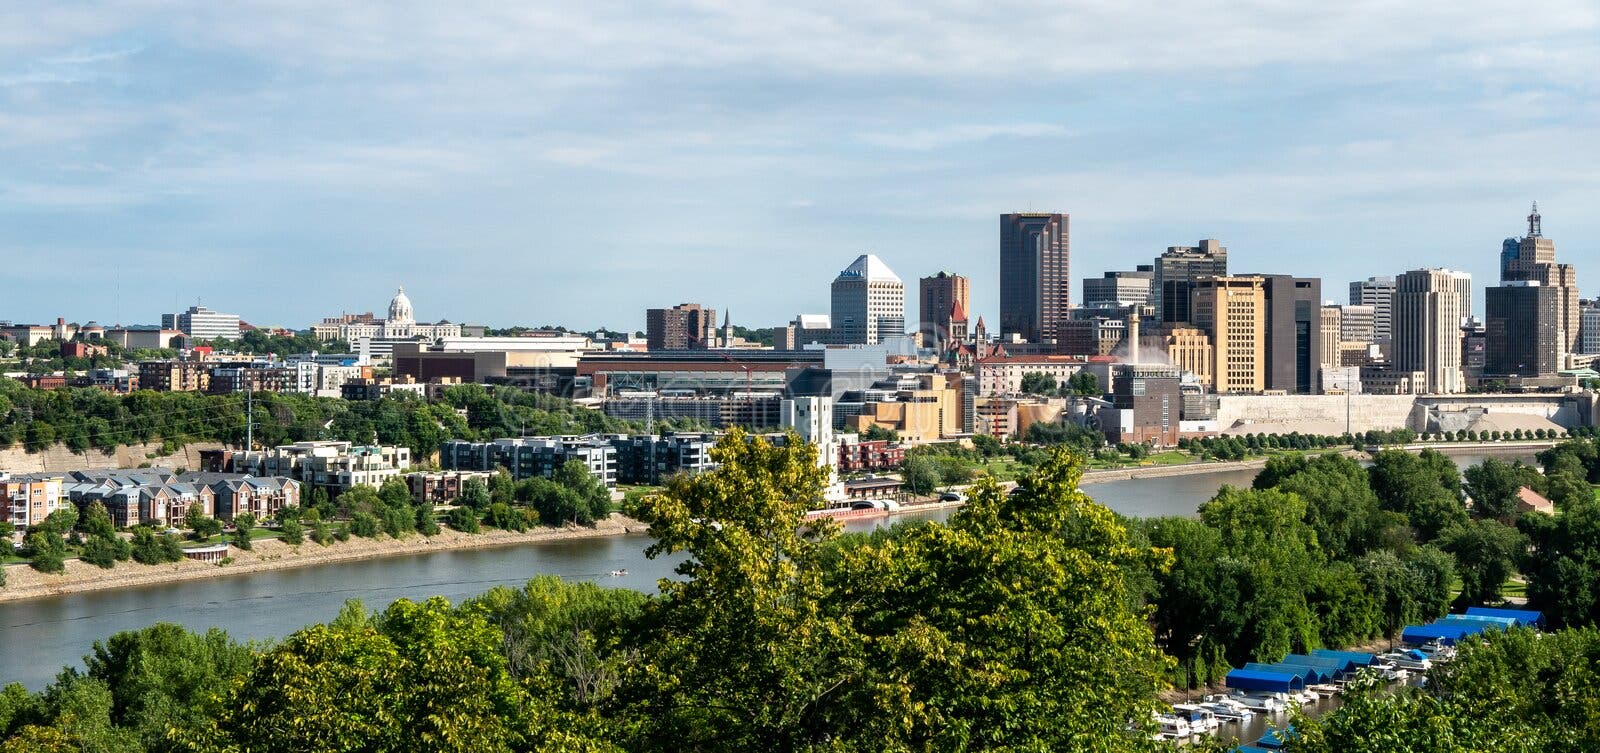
<point x="575" y="163"/>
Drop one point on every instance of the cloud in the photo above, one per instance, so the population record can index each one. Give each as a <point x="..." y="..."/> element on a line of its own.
<point x="924" y="139"/>
<point x="500" y="134"/>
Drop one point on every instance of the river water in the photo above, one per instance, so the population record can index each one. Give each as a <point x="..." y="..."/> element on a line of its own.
<point x="40" y="636"/>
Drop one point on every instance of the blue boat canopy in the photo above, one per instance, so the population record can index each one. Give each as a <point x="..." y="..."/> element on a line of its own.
<point x="1360" y="659"/>
<point x="1276" y="738"/>
<point x="1448" y="634"/>
<point x="1250" y="749"/>
<point x="1478" y="619"/>
<point x="1307" y="675"/>
<point x="1337" y="665"/>
<point x="1524" y="617"/>
<point x="1271" y="682"/>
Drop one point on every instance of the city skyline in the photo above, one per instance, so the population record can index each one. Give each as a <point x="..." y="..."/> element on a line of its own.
<point x="160" y="148"/>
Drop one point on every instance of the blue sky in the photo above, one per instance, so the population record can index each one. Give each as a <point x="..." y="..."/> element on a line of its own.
<point x="576" y="163"/>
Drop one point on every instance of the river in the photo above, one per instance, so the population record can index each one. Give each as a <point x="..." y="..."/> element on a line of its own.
<point x="40" y="636"/>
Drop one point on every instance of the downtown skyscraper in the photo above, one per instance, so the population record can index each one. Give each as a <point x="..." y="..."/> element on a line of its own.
<point x="1035" y="289"/>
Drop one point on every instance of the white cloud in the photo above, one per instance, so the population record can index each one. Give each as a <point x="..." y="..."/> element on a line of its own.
<point x="924" y="139"/>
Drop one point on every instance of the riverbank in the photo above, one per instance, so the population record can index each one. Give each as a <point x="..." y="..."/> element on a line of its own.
<point x="23" y="582"/>
<point x="1188" y="469"/>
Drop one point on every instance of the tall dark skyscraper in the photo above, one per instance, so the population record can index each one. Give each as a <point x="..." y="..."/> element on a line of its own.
<point x="1035" y="290"/>
<point x="1522" y="330"/>
<point x="1294" y="332"/>
<point x="1176" y="272"/>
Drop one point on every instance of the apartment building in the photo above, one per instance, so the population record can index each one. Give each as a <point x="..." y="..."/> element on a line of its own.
<point x="528" y="457"/>
<point x="30" y="498"/>
<point x="331" y="465"/>
<point x="174" y="376"/>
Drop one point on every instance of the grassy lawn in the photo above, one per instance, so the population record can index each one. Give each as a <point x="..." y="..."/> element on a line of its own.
<point x="1171" y="457"/>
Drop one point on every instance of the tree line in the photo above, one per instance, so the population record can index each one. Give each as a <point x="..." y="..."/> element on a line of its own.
<point x="85" y="419"/>
<point x="1034" y="619"/>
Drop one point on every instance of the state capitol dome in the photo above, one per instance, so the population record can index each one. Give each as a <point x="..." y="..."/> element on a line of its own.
<point x="400" y="308"/>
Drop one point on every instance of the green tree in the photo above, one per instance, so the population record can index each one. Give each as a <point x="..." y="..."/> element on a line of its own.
<point x="1562" y="563"/>
<point x="565" y="636"/>
<point x="1486" y="553"/>
<point x="364" y="524"/>
<point x="464" y="519"/>
<point x="203" y="526"/>
<point x="1493" y="486"/>
<point x="876" y="433"/>
<point x="395" y="492"/>
<point x="739" y="652"/>
<point x="984" y="624"/>
<point x="105" y="551"/>
<point x="165" y="678"/>
<point x="1038" y="383"/>
<point x="920" y="474"/>
<point x="427" y="523"/>
<point x="96" y="521"/>
<point x="501" y="488"/>
<point x="474" y="494"/>
<point x="419" y="677"/>
<point x="243" y="524"/>
<point x="294" y="532"/>
<point x="1084" y="383"/>
<point x="505" y="517"/>
<point x="46" y="552"/>
<point x="1426" y="488"/>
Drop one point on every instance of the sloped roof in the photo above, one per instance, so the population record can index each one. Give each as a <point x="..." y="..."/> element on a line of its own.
<point x="870" y="267"/>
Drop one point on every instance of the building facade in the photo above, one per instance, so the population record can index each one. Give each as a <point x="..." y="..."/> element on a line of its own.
<point x="686" y="326"/>
<point x="1427" y="329"/>
<point x="1120" y="289"/>
<point x="1522" y="330"/>
<point x="1294" y="332"/>
<point x="529" y="457"/>
<point x="1332" y="336"/>
<point x="1534" y="260"/>
<point x="1589" y="327"/>
<point x="943" y="301"/>
<point x="869" y="303"/>
<point x="1377" y="292"/>
<point x="1035" y="288"/>
<point x="1176" y="272"/>
<point x="201" y="323"/>
<point x="401" y="325"/>
<point x="1233" y="313"/>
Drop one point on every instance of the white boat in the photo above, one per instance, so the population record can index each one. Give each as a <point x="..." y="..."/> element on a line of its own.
<point x="1174" y="728"/>
<point x="1405" y="660"/>
<point x="1229" y="713"/>
<point x="1201" y="719"/>
<point x="1261" y="702"/>
<point x="1220" y="700"/>
<point x="1324" y="690"/>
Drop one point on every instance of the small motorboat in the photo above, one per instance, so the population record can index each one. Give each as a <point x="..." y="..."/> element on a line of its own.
<point x="1201" y="719"/>
<point x="618" y="573"/>
<point x="1228" y="712"/>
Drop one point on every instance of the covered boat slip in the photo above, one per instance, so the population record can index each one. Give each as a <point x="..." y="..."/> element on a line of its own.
<point x="1266" y="682"/>
<point x="1336" y="666"/>
<point x="1357" y="658"/>
<point x="1307" y="674"/>
<point x="1523" y="617"/>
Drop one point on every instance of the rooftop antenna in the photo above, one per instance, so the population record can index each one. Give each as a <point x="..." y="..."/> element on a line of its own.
<point x="1533" y="222"/>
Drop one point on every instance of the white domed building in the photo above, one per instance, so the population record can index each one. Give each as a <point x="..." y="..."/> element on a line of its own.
<point x="400" y="326"/>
